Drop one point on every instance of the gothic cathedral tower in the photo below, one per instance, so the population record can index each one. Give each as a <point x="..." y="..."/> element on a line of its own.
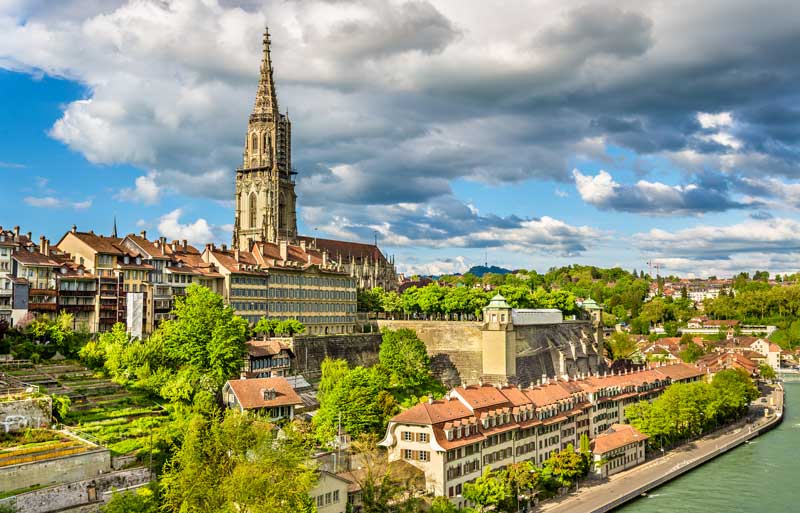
<point x="265" y="197"/>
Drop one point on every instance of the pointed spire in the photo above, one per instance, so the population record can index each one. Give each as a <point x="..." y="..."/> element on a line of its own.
<point x="266" y="101"/>
<point x="114" y="233"/>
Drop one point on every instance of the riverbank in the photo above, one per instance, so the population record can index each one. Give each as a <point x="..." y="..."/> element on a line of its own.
<point x="626" y="486"/>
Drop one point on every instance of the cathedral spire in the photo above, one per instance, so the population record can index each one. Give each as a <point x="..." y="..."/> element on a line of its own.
<point x="266" y="101"/>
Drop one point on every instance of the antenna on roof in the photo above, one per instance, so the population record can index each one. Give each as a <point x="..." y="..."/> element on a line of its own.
<point x="114" y="232"/>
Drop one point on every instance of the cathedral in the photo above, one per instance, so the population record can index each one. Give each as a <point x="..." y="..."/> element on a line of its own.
<point x="265" y="197"/>
<point x="266" y="202"/>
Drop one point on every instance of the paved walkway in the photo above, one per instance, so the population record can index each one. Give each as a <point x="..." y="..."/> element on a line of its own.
<point x="597" y="497"/>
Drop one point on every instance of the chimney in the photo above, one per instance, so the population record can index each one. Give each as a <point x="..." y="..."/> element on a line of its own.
<point x="309" y="259"/>
<point x="183" y="243"/>
<point x="303" y="245"/>
<point x="284" y="249"/>
<point x="30" y="236"/>
<point x="74" y="229"/>
<point x="236" y="254"/>
<point x="324" y="258"/>
<point x="174" y="246"/>
<point x="163" y="241"/>
<point x="224" y="247"/>
<point x="41" y="244"/>
<point x="143" y="234"/>
<point x="16" y="231"/>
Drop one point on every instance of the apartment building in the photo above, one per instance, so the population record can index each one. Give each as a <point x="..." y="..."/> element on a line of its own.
<point x="452" y="440"/>
<point x="10" y="241"/>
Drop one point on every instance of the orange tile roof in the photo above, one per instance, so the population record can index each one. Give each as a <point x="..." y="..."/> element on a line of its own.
<point x="433" y="412"/>
<point x="484" y="396"/>
<point x="99" y="243"/>
<point x="618" y="435"/>
<point x="250" y="392"/>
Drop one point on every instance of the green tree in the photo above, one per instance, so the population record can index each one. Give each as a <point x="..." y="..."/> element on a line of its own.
<point x="360" y="399"/>
<point x="405" y="357"/>
<point x="766" y="372"/>
<point x="691" y="352"/>
<point x="290" y="327"/>
<point x="236" y="464"/>
<point x="621" y="346"/>
<point x="142" y="500"/>
<point x="488" y="491"/>
<point x="442" y="505"/>
<point x="566" y="466"/>
<point x="266" y="326"/>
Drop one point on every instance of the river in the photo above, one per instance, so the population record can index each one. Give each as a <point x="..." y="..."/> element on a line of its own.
<point x="758" y="477"/>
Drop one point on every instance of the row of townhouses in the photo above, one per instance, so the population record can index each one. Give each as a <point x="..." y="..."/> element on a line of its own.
<point x="453" y="439"/>
<point x="102" y="280"/>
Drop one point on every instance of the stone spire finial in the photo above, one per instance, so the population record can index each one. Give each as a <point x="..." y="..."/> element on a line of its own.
<point x="266" y="101"/>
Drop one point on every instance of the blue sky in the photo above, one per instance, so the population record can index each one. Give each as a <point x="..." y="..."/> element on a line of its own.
<point x="586" y="133"/>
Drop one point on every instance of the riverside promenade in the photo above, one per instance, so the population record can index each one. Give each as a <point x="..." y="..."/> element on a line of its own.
<point x="626" y="486"/>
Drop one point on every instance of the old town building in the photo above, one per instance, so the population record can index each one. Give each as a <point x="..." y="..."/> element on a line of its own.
<point x="453" y="439"/>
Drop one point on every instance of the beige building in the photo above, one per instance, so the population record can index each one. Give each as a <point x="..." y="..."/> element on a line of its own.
<point x="452" y="440"/>
<point x="330" y="493"/>
<point x="618" y="448"/>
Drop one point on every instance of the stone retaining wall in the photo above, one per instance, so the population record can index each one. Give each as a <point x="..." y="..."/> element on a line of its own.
<point x="95" y="490"/>
<point x="64" y="469"/>
<point x="356" y="348"/>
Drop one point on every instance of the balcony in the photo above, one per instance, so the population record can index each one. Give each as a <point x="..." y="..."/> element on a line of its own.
<point x="77" y="293"/>
<point x="42" y="307"/>
<point x="43" y="292"/>
<point x="76" y="308"/>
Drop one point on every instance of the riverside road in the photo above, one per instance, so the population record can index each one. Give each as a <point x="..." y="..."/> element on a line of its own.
<point x="627" y="485"/>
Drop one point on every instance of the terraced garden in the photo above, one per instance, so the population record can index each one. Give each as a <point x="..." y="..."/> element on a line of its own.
<point x="101" y="411"/>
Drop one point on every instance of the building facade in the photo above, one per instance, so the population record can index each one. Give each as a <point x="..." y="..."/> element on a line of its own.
<point x="452" y="440"/>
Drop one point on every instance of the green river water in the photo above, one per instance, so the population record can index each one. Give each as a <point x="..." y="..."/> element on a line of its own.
<point x="762" y="476"/>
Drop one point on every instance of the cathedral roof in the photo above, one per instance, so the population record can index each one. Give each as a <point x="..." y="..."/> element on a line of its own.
<point x="342" y="251"/>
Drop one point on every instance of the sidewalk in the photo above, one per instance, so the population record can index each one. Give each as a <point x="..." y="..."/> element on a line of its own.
<point x="625" y="486"/>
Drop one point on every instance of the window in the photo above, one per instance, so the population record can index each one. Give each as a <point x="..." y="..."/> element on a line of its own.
<point x="254" y="143"/>
<point x="253" y="210"/>
<point x="408" y="454"/>
<point x="408" y="436"/>
<point x="424" y="456"/>
<point x="336" y="496"/>
<point x="422" y="437"/>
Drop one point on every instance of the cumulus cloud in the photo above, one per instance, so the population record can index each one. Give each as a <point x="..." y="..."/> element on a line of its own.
<point x="656" y="198"/>
<point x="457" y="264"/>
<point x="775" y="235"/>
<point x="145" y="190"/>
<point x="52" y="202"/>
<point x="196" y="232"/>
<point x="446" y="222"/>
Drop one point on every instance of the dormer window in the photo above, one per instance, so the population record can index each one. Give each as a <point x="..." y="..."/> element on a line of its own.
<point x="269" y="394"/>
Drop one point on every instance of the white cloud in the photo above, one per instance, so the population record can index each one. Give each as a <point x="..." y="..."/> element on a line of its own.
<point x="145" y="190"/>
<point x="51" y="202"/>
<point x="596" y="189"/>
<point x="198" y="232"/>
<point x="777" y="235"/>
<point x="457" y="264"/>
<point x="718" y="120"/>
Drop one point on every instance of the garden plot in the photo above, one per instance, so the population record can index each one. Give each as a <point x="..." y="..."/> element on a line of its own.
<point x="101" y="410"/>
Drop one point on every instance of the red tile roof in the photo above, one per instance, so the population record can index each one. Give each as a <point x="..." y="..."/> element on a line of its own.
<point x="618" y="435"/>
<point x="434" y="412"/>
<point x="250" y="392"/>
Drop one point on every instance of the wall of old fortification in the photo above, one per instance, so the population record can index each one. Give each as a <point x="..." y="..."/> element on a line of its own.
<point x="546" y="349"/>
<point x="454" y="347"/>
<point x="356" y="348"/>
<point x="554" y="350"/>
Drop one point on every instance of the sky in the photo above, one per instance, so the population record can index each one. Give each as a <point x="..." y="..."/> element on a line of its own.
<point x="525" y="134"/>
